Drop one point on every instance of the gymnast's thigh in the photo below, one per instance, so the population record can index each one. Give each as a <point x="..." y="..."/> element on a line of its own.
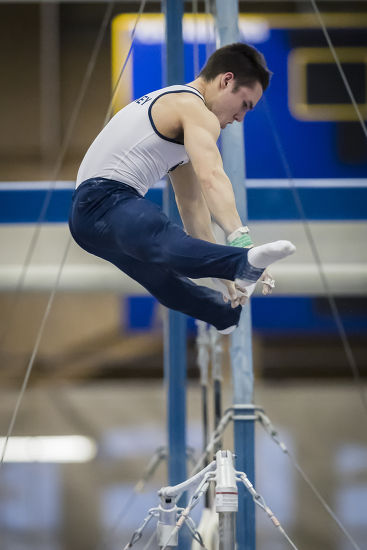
<point x="179" y="293"/>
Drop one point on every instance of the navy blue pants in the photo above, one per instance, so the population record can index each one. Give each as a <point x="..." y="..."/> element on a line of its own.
<point x="113" y="221"/>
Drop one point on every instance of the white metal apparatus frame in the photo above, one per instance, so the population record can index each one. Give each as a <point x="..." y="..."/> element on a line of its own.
<point x="171" y="518"/>
<point x="222" y="472"/>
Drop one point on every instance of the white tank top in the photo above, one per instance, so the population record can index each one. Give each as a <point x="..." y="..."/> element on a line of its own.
<point x="131" y="150"/>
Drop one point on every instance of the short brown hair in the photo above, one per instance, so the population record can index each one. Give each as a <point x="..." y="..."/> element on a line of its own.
<point x="246" y="63"/>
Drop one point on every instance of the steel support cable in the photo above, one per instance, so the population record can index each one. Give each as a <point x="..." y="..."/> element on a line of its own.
<point x="64" y="147"/>
<point x="138" y="533"/>
<point x="196" y="59"/>
<point x="287" y="538"/>
<point x="269" y="428"/>
<point x="195" y="533"/>
<point x="208" y="29"/>
<point x="159" y="455"/>
<point x="61" y="266"/>
<point x="333" y="306"/>
<point x="203" y="487"/>
<point x="34" y="353"/>
<point x="216" y="436"/>
<point x="183" y="518"/>
<point x="337" y="318"/>
<point x="341" y="329"/>
<point x="314" y="249"/>
<point x="331" y="299"/>
<point x="273" y="433"/>
<point x="260" y="502"/>
<point x="258" y="499"/>
<point x="339" y="65"/>
<point x="112" y="531"/>
<point x="132" y="38"/>
<point x="322" y="500"/>
<point x="199" y="491"/>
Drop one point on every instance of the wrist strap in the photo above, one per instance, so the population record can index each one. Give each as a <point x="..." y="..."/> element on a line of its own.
<point x="240" y="237"/>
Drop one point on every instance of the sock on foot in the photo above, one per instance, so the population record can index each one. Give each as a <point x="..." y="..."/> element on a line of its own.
<point x="265" y="254"/>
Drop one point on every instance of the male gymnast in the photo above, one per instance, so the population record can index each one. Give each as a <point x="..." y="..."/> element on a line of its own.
<point x="174" y="130"/>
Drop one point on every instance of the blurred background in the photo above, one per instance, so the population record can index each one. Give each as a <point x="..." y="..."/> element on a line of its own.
<point x="98" y="373"/>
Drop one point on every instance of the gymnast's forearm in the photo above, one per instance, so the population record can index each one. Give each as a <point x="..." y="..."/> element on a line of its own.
<point x="219" y="197"/>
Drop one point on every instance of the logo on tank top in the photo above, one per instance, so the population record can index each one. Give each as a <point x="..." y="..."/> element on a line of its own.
<point x="143" y="99"/>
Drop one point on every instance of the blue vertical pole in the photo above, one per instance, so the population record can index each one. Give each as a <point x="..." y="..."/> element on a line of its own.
<point x="175" y="324"/>
<point x="233" y="154"/>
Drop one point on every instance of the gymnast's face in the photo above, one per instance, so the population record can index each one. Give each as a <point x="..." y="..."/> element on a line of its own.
<point x="231" y="102"/>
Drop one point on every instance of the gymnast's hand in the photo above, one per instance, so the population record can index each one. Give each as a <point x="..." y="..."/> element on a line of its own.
<point x="268" y="282"/>
<point x="230" y="293"/>
<point x="242" y="239"/>
<point x="238" y="296"/>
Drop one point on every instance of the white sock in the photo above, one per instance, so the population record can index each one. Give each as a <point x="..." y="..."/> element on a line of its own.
<point x="266" y="254"/>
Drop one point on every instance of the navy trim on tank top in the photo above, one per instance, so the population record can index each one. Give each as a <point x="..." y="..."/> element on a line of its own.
<point x="164" y="93"/>
<point x="192" y="87"/>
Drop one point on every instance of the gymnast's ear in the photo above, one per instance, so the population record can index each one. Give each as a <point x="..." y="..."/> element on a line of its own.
<point x="226" y="79"/>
